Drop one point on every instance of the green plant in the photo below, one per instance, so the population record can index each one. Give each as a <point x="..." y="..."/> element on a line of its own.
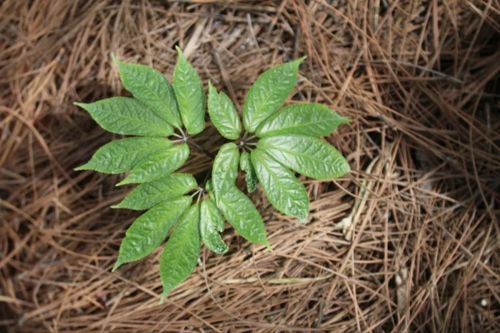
<point x="163" y="117"/>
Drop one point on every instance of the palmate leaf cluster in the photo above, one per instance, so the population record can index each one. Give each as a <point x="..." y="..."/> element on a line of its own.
<point x="269" y="144"/>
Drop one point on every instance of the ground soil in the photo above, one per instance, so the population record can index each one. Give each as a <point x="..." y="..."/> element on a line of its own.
<point x="420" y="82"/>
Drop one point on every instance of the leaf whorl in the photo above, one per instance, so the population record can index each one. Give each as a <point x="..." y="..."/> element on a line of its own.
<point x="278" y="142"/>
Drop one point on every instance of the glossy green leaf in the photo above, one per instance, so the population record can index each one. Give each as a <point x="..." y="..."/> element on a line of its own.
<point x="209" y="186"/>
<point x="152" y="88"/>
<point x="305" y="118"/>
<point x="211" y="225"/>
<point x="150" y="229"/>
<point x="247" y="167"/>
<point x="268" y="93"/>
<point x="147" y="195"/>
<point x="122" y="155"/>
<point x="241" y="213"/>
<point x="188" y="90"/>
<point x="181" y="253"/>
<point x="223" y="114"/>
<point x="225" y="168"/>
<point x="306" y="155"/>
<point x="158" y="165"/>
<point x="127" y="116"/>
<point x="283" y="190"/>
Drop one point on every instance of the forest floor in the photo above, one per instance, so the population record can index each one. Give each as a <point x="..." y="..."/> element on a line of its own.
<point x="419" y="81"/>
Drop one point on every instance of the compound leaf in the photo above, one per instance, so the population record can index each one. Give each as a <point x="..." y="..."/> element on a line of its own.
<point x="158" y="165"/>
<point x="223" y="114"/>
<point x="268" y="93"/>
<point x="225" y="168"/>
<point x="150" y="229"/>
<point x="188" y="90"/>
<point x="122" y="155"/>
<point x="241" y="213"/>
<point x="152" y="88"/>
<point x="305" y="118"/>
<point x="247" y="167"/>
<point x="148" y="195"/>
<point x="285" y="192"/>
<point x="211" y="225"/>
<point x="306" y="155"/>
<point x="181" y="253"/>
<point x="127" y="116"/>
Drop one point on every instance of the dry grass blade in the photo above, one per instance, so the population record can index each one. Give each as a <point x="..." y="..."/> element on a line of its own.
<point x="420" y="81"/>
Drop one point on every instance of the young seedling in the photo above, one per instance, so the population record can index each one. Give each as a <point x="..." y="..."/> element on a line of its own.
<point x="276" y="142"/>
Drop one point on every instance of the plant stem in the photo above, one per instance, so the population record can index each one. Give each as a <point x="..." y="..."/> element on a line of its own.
<point x="201" y="149"/>
<point x="177" y="135"/>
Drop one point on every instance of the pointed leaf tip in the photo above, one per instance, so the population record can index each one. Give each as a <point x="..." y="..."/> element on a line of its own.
<point x="124" y="181"/>
<point x="345" y="120"/>
<point x="116" y="266"/>
<point x="80" y="168"/>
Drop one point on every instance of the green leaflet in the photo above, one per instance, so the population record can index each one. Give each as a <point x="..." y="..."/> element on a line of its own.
<point x="181" y="253"/>
<point x="223" y="114"/>
<point x="241" y="213"/>
<point x="225" y="168"/>
<point x="211" y="225"/>
<point x="147" y="195"/>
<point x="268" y="93"/>
<point x="127" y="116"/>
<point x="209" y="186"/>
<point x="150" y="229"/>
<point x="122" y="155"/>
<point x="152" y="88"/>
<point x="158" y="165"/>
<point x="247" y="167"/>
<point x="305" y="118"/>
<point x="285" y="192"/>
<point x="306" y="155"/>
<point x="188" y="90"/>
